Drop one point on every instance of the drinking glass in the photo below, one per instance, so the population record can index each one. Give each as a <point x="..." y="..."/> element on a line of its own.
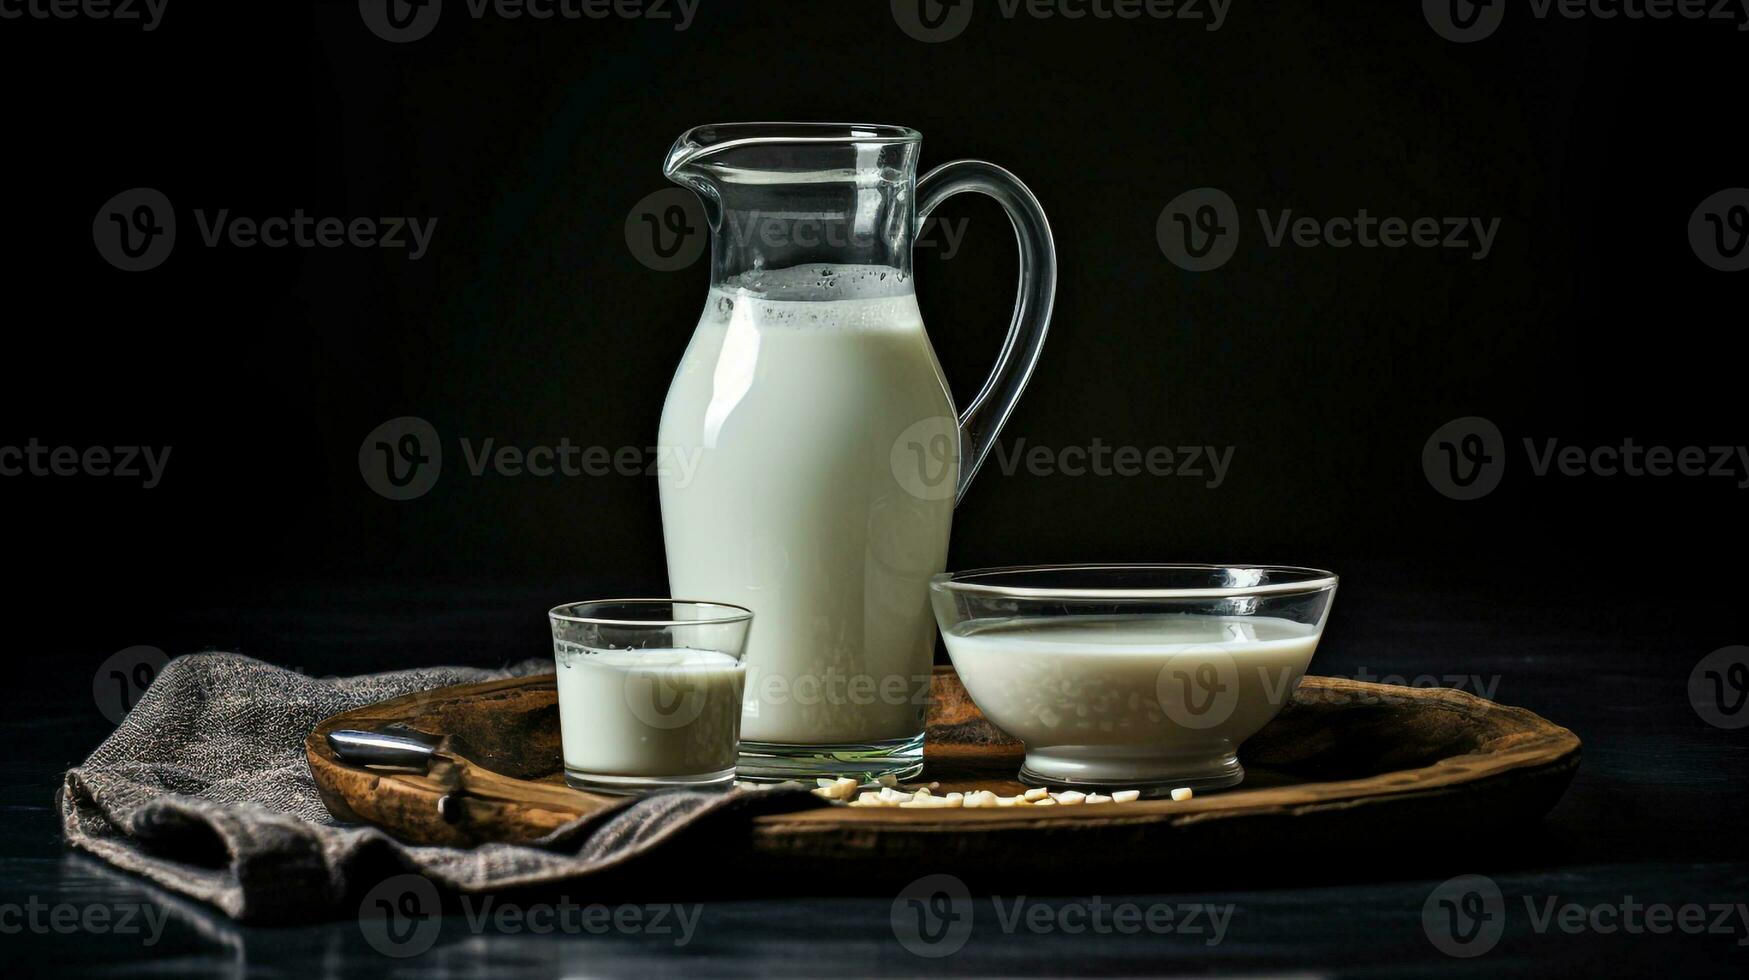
<point x="649" y="692"/>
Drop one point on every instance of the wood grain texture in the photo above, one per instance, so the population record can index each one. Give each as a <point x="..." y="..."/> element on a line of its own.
<point x="1346" y="762"/>
<point x="496" y="776"/>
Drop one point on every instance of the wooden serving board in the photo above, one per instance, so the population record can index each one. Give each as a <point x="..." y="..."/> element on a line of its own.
<point x="1347" y="764"/>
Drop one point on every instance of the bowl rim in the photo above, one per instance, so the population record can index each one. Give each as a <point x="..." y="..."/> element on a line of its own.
<point x="1314" y="580"/>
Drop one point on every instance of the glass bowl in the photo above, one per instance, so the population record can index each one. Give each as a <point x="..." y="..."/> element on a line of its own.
<point x="1141" y="677"/>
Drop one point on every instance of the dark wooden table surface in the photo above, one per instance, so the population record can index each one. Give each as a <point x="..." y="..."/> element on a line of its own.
<point x="1654" y="821"/>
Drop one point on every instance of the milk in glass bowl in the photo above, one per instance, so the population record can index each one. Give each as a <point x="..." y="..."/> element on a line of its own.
<point x="1132" y="676"/>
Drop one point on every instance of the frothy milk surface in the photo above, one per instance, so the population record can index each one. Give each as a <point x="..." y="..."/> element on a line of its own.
<point x="792" y="396"/>
<point x="1113" y="697"/>
<point x="648" y="712"/>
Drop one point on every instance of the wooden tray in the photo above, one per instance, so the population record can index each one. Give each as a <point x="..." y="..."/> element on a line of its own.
<point x="1346" y="764"/>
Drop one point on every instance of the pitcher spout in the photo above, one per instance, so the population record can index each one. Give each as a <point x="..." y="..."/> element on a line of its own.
<point x="784" y="148"/>
<point x="779" y="195"/>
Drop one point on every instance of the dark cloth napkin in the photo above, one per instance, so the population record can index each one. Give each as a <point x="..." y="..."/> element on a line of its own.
<point x="204" y="789"/>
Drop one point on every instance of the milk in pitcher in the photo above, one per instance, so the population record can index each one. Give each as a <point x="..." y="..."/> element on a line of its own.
<point x="812" y="411"/>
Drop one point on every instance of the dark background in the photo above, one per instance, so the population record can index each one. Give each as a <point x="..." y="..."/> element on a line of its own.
<point x="530" y="320"/>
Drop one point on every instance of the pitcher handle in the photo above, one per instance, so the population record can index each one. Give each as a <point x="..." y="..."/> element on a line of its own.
<point x="980" y="423"/>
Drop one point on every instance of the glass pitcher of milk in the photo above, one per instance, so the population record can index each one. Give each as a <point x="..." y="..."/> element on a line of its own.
<point x="825" y="454"/>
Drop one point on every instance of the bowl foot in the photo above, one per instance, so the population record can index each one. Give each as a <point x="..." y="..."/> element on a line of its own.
<point x="1226" y="774"/>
